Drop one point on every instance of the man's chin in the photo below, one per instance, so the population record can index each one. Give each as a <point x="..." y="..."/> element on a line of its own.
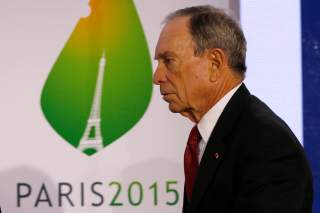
<point x="174" y="108"/>
<point x="182" y="111"/>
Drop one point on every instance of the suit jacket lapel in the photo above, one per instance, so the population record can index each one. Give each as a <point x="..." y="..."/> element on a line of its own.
<point x="216" y="146"/>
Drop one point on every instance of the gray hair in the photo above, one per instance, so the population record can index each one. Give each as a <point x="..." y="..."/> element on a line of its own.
<point x="213" y="28"/>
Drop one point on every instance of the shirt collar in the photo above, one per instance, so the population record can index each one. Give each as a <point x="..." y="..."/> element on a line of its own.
<point x="209" y="120"/>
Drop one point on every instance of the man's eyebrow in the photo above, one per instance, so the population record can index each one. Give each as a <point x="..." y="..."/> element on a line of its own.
<point x="163" y="55"/>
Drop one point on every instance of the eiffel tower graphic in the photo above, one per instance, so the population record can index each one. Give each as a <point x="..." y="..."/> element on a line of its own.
<point x="92" y="138"/>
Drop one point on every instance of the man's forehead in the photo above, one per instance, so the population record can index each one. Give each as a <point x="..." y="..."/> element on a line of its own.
<point x="175" y="34"/>
<point x="177" y="24"/>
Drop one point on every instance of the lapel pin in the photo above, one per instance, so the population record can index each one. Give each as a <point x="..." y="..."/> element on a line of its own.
<point x="216" y="155"/>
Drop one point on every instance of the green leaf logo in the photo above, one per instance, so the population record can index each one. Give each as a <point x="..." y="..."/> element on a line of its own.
<point x="101" y="83"/>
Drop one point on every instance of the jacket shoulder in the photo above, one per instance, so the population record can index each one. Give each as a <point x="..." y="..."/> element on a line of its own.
<point x="264" y="129"/>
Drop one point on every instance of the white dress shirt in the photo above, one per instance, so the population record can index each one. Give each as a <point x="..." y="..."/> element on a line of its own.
<point x="209" y="120"/>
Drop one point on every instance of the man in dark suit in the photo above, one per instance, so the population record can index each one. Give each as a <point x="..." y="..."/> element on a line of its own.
<point x="240" y="156"/>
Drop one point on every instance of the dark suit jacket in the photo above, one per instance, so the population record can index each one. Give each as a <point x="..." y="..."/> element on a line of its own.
<point x="253" y="163"/>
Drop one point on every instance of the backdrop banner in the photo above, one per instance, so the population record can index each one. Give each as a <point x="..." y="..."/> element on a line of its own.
<point x="82" y="127"/>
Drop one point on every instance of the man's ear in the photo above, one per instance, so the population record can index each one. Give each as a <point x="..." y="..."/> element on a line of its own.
<point x="217" y="61"/>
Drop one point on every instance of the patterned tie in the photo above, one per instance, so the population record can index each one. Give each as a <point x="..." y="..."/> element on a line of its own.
<point x="191" y="163"/>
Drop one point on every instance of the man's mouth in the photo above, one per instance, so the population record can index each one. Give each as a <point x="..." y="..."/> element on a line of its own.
<point x="165" y="96"/>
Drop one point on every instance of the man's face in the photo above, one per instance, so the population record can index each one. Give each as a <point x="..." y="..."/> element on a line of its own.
<point x="182" y="76"/>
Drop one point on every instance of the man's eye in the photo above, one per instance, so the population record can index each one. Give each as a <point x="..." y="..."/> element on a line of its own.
<point x="168" y="60"/>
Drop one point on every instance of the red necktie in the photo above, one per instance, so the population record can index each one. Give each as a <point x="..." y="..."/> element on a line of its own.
<point x="191" y="162"/>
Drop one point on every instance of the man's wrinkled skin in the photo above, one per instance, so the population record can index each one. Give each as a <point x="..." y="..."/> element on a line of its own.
<point x="190" y="83"/>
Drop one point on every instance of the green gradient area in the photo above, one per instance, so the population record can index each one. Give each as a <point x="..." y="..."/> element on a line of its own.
<point x="68" y="93"/>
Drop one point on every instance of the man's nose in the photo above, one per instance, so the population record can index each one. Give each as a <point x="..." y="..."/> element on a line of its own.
<point x="159" y="76"/>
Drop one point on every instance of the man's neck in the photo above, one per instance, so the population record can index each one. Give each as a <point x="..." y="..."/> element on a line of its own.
<point x="195" y="115"/>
